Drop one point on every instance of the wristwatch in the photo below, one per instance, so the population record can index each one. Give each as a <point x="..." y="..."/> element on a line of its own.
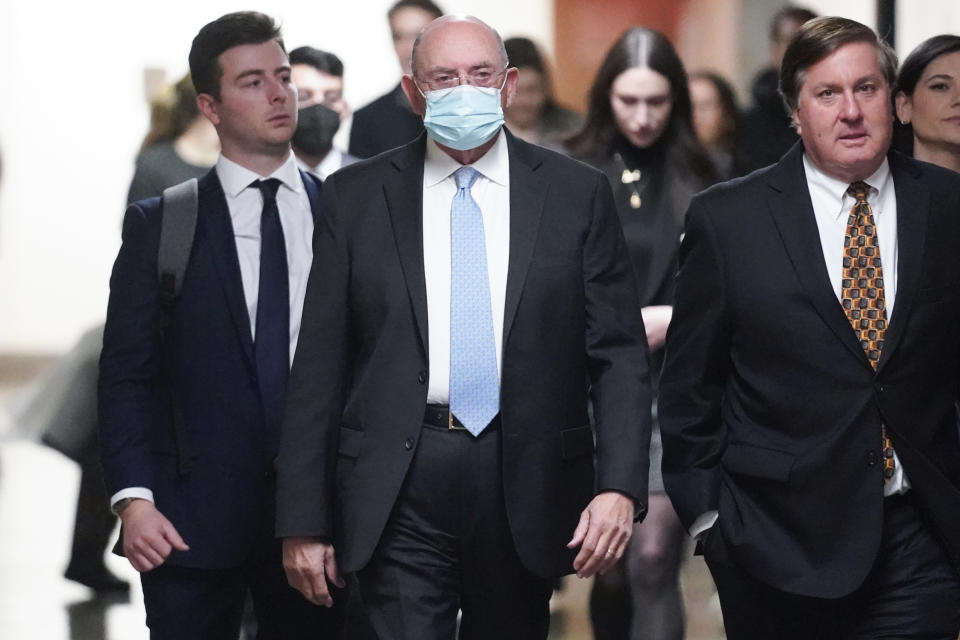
<point x="122" y="504"/>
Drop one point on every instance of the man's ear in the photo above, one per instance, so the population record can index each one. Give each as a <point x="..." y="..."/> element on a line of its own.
<point x="796" y="120"/>
<point x="510" y="87"/>
<point x="417" y="102"/>
<point x="209" y="107"/>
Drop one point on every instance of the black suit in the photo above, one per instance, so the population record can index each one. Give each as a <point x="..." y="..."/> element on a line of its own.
<point x="386" y="123"/>
<point x="770" y="410"/>
<point x="572" y="329"/>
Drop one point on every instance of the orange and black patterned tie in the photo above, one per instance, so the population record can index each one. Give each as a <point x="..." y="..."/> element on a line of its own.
<point x="862" y="290"/>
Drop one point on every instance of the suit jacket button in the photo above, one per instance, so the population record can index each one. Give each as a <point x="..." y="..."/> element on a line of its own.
<point x="422" y="378"/>
<point x="871" y="458"/>
<point x="408" y="444"/>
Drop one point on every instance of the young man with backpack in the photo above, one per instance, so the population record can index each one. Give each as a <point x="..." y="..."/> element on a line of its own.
<point x="197" y="349"/>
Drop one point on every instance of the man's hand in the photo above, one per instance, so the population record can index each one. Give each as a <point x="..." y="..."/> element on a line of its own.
<point x="604" y="531"/>
<point x="148" y="537"/>
<point x="309" y="564"/>
<point x="656" y="319"/>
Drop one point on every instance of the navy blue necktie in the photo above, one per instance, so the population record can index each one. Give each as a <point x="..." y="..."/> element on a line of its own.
<point x="272" y="340"/>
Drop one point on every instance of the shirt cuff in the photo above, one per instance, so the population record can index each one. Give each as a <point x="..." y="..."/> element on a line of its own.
<point x="704" y="522"/>
<point x="131" y="492"/>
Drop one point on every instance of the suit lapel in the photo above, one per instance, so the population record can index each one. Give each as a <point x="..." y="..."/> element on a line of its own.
<point x="913" y="207"/>
<point x="528" y="191"/>
<point x="403" y="189"/>
<point x="792" y="210"/>
<point x="214" y="220"/>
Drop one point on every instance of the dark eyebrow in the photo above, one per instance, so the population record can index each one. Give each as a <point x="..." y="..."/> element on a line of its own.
<point x="940" y="76"/>
<point x="260" y="72"/>
<point x="248" y="73"/>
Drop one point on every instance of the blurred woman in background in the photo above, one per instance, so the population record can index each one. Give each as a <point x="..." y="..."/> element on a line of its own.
<point x="927" y="98"/>
<point x="180" y="145"/>
<point x="534" y="115"/>
<point x="639" y="132"/>
<point x="715" y="117"/>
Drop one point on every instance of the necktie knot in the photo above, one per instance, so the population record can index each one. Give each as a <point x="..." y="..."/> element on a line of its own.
<point x="859" y="190"/>
<point x="268" y="188"/>
<point x="465" y="177"/>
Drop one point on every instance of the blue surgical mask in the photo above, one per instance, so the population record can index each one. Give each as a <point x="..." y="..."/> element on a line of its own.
<point x="463" y="117"/>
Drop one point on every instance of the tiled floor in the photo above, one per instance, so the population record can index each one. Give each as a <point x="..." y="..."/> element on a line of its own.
<point x="37" y="499"/>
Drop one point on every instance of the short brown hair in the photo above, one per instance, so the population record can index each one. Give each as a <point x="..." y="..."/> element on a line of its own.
<point x="819" y="38"/>
<point x="226" y="32"/>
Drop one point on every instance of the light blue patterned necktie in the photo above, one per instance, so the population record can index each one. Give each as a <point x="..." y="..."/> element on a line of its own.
<point x="474" y="383"/>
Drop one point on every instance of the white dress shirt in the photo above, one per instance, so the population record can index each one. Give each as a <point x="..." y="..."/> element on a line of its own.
<point x="491" y="191"/>
<point x="831" y="208"/>
<point x="245" y="204"/>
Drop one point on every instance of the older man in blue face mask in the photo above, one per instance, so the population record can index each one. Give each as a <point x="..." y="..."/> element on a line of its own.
<point x="470" y="294"/>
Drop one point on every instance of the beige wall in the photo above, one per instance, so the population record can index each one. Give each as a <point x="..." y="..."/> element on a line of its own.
<point x="918" y="20"/>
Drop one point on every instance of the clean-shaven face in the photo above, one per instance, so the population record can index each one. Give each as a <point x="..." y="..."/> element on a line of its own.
<point x="843" y="114"/>
<point x="641" y="101"/>
<point x="934" y="107"/>
<point x="257" y="109"/>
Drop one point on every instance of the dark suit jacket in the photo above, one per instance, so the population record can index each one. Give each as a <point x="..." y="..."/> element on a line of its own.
<point x="218" y="507"/>
<point x="572" y="325"/>
<point x="386" y="123"/>
<point x="769" y="409"/>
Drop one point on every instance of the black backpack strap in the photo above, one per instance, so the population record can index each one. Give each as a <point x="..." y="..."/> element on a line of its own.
<point x="178" y="226"/>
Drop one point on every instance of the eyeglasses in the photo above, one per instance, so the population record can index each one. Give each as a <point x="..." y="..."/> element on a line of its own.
<point x="483" y="77"/>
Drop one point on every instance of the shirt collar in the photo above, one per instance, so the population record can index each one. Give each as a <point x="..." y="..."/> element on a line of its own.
<point x="825" y="188"/>
<point x="494" y="165"/>
<point x="234" y="178"/>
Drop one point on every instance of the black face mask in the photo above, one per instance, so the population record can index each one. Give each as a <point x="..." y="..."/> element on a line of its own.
<point x="316" y="126"/>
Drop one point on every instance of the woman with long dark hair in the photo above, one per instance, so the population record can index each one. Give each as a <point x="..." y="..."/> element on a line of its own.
<point x="928" y="101"/>
<point x="639" y="132"/>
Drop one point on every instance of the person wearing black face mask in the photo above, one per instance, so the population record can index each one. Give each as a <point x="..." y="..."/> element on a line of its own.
<point x="318" y="76"/>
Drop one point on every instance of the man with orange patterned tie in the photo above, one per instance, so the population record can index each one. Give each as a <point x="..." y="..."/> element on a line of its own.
<point x="812" y="368"/>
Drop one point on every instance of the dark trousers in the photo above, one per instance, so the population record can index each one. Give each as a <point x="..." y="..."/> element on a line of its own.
<point x="207" y="604"/>
<point x="447" y="547"/>
<point x="912" y="591"/>
<point x="94" y="522"/>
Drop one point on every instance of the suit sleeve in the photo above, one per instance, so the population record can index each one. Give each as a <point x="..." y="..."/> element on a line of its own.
<point x="306" y="464"/>
<point x="130" y="356"/>
<point x="617" y="355"/>
<point x="695" y="373"/>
